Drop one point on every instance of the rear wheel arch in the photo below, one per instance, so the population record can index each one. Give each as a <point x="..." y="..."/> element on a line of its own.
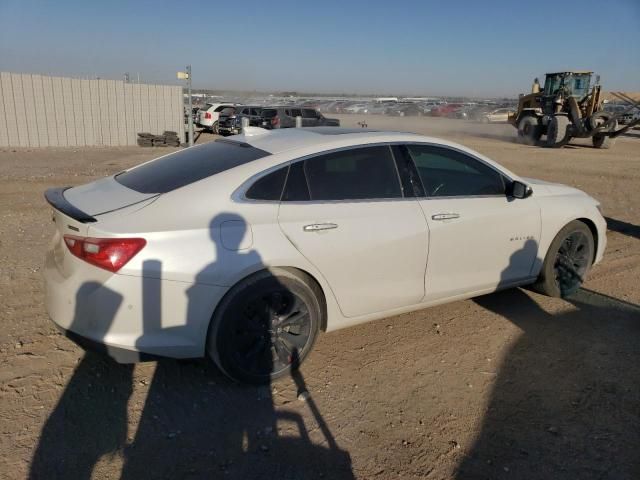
<point x="301" y="274"/>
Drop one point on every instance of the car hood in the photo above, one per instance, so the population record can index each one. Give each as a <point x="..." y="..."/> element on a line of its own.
<point x="540" y="187"/>
<point x="103" y="196"/>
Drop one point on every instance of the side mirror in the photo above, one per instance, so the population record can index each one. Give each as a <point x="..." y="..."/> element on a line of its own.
<point x="520" y="190"/>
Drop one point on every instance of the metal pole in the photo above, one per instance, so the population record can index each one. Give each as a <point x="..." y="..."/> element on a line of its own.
<point x="298" y="122"/>
<point x="244" y="122"/>
<point x="190" y="112"/>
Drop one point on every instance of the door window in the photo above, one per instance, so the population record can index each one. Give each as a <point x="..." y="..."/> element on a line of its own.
<point x="295" y="112"/>
<point x="446" y="173"/>
<point x="359" y="173"/>
<point x="309" y="113"/>
<point x="268" y="187"/>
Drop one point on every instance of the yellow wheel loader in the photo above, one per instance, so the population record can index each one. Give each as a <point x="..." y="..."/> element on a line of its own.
<point x="568" y="106"/>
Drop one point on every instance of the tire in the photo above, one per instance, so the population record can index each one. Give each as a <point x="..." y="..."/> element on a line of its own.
<point x="529" y="130"/>
<point x="242" y="339"/>
<point x="602" y="141"/>
<point x="567" y="262"/>
<point x="214" y="128"/>
<point x="558" y="132"/>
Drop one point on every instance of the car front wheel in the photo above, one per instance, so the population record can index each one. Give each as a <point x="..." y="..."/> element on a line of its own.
<point x="265" y="326"/>
<point x="567" y="261"/>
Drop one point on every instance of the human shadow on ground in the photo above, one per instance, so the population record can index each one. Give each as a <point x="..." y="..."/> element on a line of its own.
<point x="90" y="418"/>
<point x="195" y="423"/>
<point x="566" y="401"/>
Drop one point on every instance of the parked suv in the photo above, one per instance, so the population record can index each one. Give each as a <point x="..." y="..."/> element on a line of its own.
<point x="285" y="117"/>
<point x="230" y="120"/>
<point x="208" y="115"/>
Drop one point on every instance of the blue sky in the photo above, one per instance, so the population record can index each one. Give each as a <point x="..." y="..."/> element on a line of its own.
<point x="480" y="48"/>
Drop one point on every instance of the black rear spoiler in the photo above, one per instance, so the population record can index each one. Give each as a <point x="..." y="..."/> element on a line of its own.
<point x="55" y="197"/>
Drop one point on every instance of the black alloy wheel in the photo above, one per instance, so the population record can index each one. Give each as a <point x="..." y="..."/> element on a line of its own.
<point x="572" y="262"/>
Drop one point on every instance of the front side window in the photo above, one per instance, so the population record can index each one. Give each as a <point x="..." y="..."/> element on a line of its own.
<point x="359" y="173"/>
<point x="309" y="113"/>
<point x="449" y="173"/>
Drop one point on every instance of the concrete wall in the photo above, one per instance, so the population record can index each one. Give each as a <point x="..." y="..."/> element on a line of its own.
<point x="41" y="111"/>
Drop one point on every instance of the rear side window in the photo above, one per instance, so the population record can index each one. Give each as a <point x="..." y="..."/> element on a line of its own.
<point x="359" y="173"/>
<point x="268" y="187"/>
<point x="309" y="113"/>
<point x="446" y="173"/>
<point x="295" y="112"/>
<point x="188" y="166"/>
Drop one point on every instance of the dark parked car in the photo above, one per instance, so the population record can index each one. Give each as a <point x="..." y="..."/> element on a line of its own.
<point x="285" y="117"/>
<point x="230" y="120"/>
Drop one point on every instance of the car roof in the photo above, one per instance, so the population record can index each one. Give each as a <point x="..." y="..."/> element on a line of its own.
<point x="280" y="140"/>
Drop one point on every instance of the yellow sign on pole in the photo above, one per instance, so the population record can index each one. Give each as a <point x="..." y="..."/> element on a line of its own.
<point x="183" y="75"/>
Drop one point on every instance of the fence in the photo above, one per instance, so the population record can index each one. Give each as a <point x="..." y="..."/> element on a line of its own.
<point x="43" y="111"/>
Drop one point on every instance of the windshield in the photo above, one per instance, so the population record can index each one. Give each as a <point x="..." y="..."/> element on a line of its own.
<point x="574" y="84"/>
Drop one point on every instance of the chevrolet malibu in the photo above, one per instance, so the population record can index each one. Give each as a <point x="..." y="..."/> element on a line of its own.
<point x="242" y="250"/>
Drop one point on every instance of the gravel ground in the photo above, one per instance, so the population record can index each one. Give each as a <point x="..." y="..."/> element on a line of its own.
<point x="508" y="385"/>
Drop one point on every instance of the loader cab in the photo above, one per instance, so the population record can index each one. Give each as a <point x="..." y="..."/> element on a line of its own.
<point x="574" y="84"/>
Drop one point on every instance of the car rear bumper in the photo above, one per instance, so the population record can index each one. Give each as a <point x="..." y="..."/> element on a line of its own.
<point x="128" y="317"/>
<point x="120" y="355"/>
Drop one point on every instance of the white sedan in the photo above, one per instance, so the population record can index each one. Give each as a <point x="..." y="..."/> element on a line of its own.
<point x="243" y="249"/>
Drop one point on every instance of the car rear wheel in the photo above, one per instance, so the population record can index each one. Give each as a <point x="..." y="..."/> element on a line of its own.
<point x="265" y="326"/>
<point x="567" y="261"/>
<point x="214" y="128"/>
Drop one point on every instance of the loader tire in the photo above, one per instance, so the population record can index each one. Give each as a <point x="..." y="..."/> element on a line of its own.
<point x="529" y="130"/>
<point x="602" y="141"/>
<point x="558" y="132"/>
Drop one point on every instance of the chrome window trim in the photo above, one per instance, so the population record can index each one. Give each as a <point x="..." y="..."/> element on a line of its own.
<point x="239" y="194"/>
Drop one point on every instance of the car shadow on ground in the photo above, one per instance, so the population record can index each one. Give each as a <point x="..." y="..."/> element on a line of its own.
<point x="625" y="228"/>
<point x="195" y="423"/>
<point x="566" y="401"/>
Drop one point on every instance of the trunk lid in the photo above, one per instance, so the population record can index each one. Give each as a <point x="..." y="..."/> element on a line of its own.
<point x="103" y="196"/>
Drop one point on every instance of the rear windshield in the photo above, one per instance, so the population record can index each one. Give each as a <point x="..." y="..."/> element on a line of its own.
<point x="269" y="113"/>
<point x="188" y="166"/>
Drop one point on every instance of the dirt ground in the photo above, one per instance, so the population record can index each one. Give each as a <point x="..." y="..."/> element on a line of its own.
<point x="508" y="385"/>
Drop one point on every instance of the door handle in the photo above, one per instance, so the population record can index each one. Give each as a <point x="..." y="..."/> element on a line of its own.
<point x="316" y="227"/>
<point x="445" y="216"/>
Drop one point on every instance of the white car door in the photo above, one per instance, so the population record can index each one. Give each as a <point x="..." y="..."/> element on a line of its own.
<point x="345" y="212"/>
<point x="480" y="238"/>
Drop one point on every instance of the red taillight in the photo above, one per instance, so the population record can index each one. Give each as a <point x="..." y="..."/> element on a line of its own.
<point x="109" y="253"/>
<point x="275" y="121"/>
<point x="207" y="115"/>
